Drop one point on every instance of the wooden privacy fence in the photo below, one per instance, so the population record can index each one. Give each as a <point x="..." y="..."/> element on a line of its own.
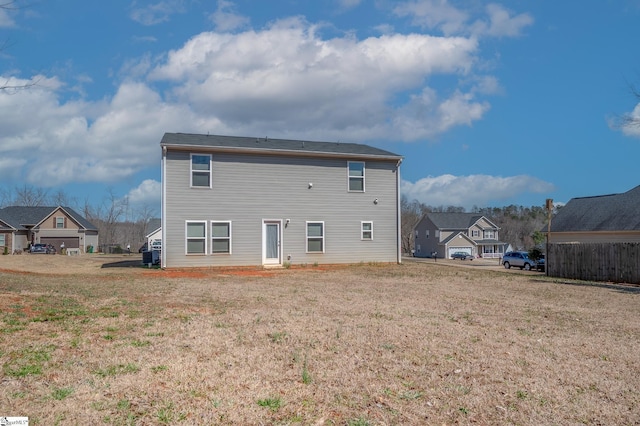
<point x="614" y="262"/>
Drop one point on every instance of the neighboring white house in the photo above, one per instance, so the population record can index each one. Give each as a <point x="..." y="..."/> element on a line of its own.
<point x="154" y="235"/>
<point x="442" y="234"/>
<point x="238" y="201"/>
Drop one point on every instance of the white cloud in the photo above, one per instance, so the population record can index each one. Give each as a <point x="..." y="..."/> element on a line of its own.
<point x="80" y="141"/>
<point x="283" y="81"/>
<point x="501" y="23"/>
<point x="5" y="20"/>
<point x="348" y="4"/>
<point x="225" y="19"/>
<point x="434" y="14"/>
<point x="287" y="77"/>
<point x="147" y="193"/>
<point x="156" y="13"/>
<point x="426" y="116"/>
<point x="467" y="191"/>
<point x="440" y="15"/>
<point x="630" y="125"/>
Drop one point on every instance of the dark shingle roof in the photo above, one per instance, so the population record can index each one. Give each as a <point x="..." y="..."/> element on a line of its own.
<point x="275" y="145"/>
<point x="615" y="212"/>
<point x="21" y="216"/>
<point x="153" y="225"/>
<point x="453" y="220"/>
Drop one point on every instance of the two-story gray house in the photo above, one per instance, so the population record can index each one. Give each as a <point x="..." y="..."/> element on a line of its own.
<point x="241" y="201"/>
<point x="447" y="233"/>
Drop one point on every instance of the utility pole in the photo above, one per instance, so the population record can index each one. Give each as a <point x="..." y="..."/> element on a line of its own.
<point x="549" y="206"/>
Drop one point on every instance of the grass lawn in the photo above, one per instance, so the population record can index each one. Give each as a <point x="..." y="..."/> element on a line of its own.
<point x="411" y="344"/>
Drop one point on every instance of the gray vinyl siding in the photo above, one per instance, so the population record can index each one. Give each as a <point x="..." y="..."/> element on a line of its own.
<point x="427" y="245"/>
<point x="247" y="189"/>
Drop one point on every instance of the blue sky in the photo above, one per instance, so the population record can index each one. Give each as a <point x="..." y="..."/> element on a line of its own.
<point x="490" y="103"/>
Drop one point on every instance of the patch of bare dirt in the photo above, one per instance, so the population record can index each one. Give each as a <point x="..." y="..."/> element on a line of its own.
<point x="412" y="344"/>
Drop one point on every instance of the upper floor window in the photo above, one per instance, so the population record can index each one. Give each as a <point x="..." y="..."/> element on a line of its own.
<point x="220" y="237"/>
<point x="196" y="237"/>
<point x="366" y="230"/>
<point x="356" y="176"/>
<point x="315" y="237"/>
<point x="489" y="234"/>
<point x="437" y="233"/>
<point x="426" y="233"/>
<point x="475" y="233"/>
<point x="60" y="222"/>
<point x="201" y="170"/>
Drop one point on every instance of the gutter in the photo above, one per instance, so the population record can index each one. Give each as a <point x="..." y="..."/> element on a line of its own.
<point x="271" y="151"/>
<point x="163" y="209"/>
<point x="398" y="214"/>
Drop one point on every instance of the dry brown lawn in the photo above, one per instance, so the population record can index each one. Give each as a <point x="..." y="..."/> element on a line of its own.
<point x="412" y="344"/>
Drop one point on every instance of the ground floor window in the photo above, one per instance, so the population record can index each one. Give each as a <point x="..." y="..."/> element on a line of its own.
<point x="315" y="237"/>
<point x="366" y="229"/>
<point x="3" y="241"/>
<point x="196" y="237"/>
<point x="220" y="237"/>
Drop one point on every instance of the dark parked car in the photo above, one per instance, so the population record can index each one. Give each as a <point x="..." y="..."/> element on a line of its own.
<point x="461" y="255"/>
<point x="42" y="249"/>
<point x="519" y="259"/>
<point x="540" y="263"/>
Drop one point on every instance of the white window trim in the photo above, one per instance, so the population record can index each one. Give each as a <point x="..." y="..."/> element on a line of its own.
<point x="324" y="232"/>
<point x="362" y="230"/>
<point x="186" y="237"/>
<point x="349" y="177"/>
<point x="222" y="238"/>
<point x="475" y="233"/>
<point x="489" y="234"/>
<point x="426" y="233"/>
<point x="200" y="171"/>
<point x="56" y="222"/>
<point x="3" y="240"/>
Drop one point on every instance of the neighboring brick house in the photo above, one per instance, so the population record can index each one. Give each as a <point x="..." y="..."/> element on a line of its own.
<point x="613" y="218"/>
<point x="447" y="233"/>
<point x="21" y="226"/>
<point x="239" y="201"/>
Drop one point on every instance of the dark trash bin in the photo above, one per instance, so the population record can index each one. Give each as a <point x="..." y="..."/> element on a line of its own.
<point x="151" y="257"/>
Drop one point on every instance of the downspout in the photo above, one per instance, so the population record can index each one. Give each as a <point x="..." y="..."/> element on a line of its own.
<point x="163" y="209"/>
<point x="398" y="214"/>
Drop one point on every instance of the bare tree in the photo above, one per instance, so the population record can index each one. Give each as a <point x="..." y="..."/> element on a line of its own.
<point x="106" y="217"/>
<point x="631" y="119"/>
<point x="411" y="212"/>
<point x="144" y="214"/>
<point x="5" y="197"/>
<point x="30" y="196"/>
<point x="7" y="85"/>
<point x="61" y="198"/>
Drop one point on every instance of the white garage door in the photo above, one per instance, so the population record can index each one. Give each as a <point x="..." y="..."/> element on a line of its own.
<point x="467" y="250"/>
